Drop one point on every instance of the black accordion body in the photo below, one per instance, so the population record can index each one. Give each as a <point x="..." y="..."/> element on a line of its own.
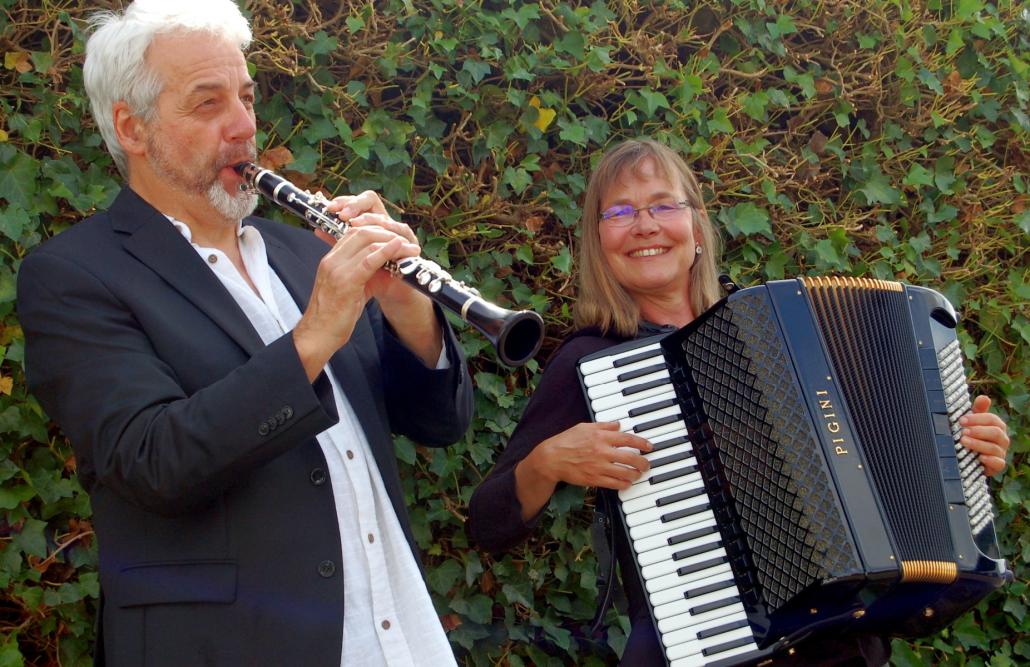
<point x="807" y="475"/>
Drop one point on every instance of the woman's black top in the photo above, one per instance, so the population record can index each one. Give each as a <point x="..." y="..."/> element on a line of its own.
<point x="495" y="515"/>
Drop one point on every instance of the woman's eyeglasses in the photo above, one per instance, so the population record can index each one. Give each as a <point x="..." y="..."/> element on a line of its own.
<point x="624" y="214"/>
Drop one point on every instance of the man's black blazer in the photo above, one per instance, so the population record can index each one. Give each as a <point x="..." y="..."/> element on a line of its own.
<point x="217" y="531"/>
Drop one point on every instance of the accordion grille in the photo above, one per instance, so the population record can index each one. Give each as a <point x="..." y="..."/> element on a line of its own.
<point x="867" y="328"/>
<point x="767" y="450"/>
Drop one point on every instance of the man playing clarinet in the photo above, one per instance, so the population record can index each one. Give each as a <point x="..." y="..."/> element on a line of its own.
<point x="230" y="384"/>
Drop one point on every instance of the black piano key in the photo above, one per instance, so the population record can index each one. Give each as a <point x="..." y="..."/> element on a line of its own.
<point x="689" y="511"/>
<point x="644" y="409"/>
<point x="634" y="358"/>
<point x="640" y="372"/>
<point x="722" y="648"/>
<point x="672" y="458"/>
<point x="718" y="604"/>
<point x="672" y="474"/>
<point x="694" y="551"/>
<point x="692" y="535"/>
<point x="636" y="389"/>
<point x="676" y="497"/>
<point x="710" y="588"/>
<point x="671" y="442"/>
<point x="722" y="629"/>
<point x="647" y="426"/>
<point x="703" y="565"/>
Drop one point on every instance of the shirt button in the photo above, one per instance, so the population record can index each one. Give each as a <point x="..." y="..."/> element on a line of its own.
<point x="212" y="259"/>
<point x="386" y="625"/>
<point x="326" y="569"/>
<point x="318" y="477"/>
<point x="371" y="538"/>
<point x="350" y="454"/>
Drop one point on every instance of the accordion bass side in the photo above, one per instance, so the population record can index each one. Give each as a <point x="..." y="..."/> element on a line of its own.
<point x="807" y="473"/>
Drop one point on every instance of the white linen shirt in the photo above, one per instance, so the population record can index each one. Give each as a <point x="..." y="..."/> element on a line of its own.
<point x="389" y="617"/>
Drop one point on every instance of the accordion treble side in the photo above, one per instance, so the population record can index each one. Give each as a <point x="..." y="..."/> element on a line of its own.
<point x="822" y="415"/>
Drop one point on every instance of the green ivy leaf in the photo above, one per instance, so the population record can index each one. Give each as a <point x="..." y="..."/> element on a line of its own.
<point x="18" y="174"/>
<point x="443" y="577"/>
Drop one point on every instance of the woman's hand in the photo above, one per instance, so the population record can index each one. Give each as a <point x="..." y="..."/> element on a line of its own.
<point x="588" y="454"/>
<point x="987" y="434"/>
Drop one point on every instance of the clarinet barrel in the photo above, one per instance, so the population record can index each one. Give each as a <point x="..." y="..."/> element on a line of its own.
<point x="516" y="335"/>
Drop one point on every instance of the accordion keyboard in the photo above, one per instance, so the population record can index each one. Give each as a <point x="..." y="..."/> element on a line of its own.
<point x="672" y="529"/>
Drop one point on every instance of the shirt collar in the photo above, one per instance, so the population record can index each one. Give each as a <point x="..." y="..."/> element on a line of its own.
<point x="185" y="230"/>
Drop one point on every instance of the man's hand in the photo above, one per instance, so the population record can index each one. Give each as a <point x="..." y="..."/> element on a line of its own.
<point x="351" y="273"/>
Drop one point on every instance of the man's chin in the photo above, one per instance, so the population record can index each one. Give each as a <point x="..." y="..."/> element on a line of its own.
<point x="234" y="206"/>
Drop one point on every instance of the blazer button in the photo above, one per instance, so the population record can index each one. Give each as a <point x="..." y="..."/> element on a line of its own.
<point x="326" y="569"/>
<point x="318" y="477"/>
<point x="263" y="429"/>
<point x="287" y="412"/>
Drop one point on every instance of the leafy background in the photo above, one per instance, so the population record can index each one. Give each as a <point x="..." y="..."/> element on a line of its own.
<point x="882" y="138"/>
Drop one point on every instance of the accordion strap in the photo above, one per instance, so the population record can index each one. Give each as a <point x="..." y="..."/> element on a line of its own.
<point x="603" y="538"/>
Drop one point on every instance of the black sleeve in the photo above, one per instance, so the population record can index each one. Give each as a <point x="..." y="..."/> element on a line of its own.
<point x="134" y="428"/>
<point x="431" y="406"/>
<point x="495" y="515"/>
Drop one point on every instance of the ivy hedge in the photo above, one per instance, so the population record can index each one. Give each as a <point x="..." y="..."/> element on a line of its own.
<point x="884" y="138"/>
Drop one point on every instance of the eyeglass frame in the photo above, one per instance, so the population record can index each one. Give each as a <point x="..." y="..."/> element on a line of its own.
<point x="614" y="222"/>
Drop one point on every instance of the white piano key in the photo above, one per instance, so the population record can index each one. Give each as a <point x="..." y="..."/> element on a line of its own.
<point x="675" y="582"/>
<point x="591" y="367"/>
<point x="648" y="501"/>
<point x="701" y="661"/>
<point x="696" y="649"/>
<point x="613" y="374"/>
<point x="663" y="574"/>
<point x="673" y="593"/>
<point x="686" y="641"/>
<point x="677" y="615"/>
<point x="644" y="487"/>
<point x="658" y="527"/>
<point x="607" y="397"/>
<point x="613" y="392"/>
<point x="622" y="411"/>
<point x="665" y="552"/>
<point x="672" y="580"/>
<point x="648" y="515"/>
<point x="659" y="540"/>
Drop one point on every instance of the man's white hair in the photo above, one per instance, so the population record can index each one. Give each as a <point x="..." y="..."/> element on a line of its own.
<point x="116" y="67"/>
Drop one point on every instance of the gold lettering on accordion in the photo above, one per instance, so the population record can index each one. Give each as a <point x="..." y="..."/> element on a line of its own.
<point x="829" y="415"/>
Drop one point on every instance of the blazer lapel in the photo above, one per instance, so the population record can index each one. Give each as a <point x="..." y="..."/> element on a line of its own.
<point x="152" y="239"/>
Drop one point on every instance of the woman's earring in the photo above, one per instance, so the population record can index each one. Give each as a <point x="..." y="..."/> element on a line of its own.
<point x="697" y="249"/>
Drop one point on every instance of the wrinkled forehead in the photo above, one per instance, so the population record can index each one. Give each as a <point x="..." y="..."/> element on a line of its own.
<point x="178" y="57"/>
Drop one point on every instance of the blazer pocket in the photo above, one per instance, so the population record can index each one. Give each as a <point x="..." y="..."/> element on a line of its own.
<point x="169" y="583"/>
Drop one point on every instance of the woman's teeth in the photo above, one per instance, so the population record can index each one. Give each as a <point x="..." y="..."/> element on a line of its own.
<point x="647" y="252"/>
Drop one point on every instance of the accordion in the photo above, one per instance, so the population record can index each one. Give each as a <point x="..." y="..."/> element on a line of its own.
<point x="806" y="473"/>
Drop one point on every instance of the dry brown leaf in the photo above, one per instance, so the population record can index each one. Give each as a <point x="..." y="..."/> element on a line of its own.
<point x="450" y="622"/>
<point x="276" y="158"/>
<point x="18" y="60"/>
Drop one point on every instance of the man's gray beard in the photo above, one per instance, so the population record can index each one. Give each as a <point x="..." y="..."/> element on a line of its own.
<point x="233" y="207"/>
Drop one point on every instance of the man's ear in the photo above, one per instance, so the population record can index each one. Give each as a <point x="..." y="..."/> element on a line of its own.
<point x="129" y="129"/>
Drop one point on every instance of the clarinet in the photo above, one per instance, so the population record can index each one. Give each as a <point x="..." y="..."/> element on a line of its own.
<point x="516" y="335"/>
